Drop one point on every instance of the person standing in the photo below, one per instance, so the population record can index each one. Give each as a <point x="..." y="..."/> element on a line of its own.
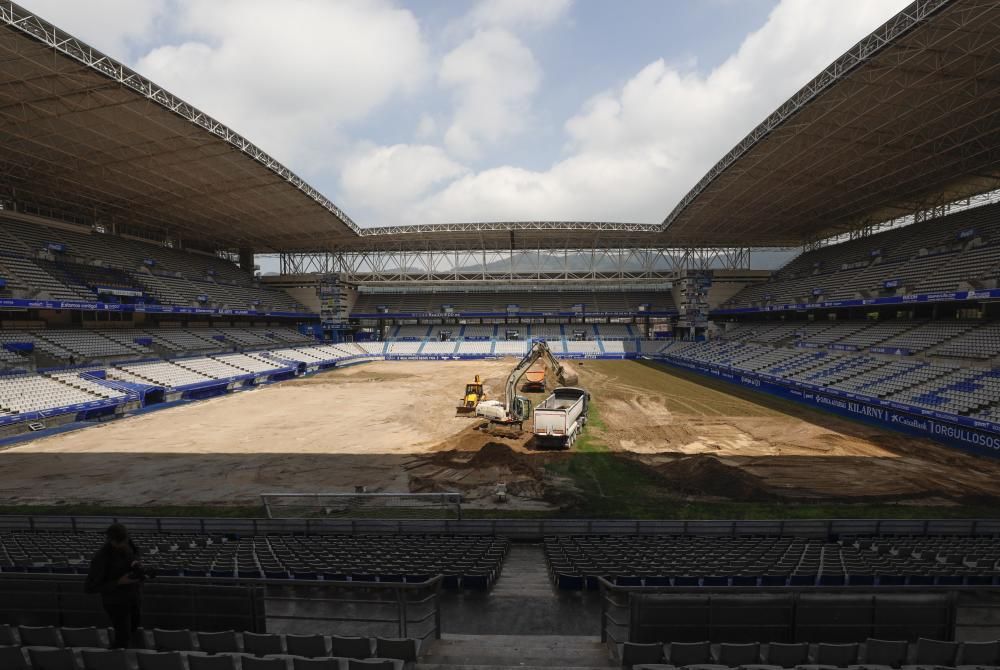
<point x="111" y="576"/>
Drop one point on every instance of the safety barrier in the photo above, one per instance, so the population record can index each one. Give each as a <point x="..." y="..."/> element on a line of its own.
<point x="210" y="603"/>
<point x="520" y="529"/>
<point x="787" y="613"/>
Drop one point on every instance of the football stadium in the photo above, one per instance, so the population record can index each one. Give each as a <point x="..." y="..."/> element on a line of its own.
<point x="494" y="444"/>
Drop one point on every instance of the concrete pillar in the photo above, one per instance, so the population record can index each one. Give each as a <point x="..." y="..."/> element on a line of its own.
<point x="246" y="259"/>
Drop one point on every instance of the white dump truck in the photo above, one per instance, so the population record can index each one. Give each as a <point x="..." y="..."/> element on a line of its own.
<point x="560" y="417"/>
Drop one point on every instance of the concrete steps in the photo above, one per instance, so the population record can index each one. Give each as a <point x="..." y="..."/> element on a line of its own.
<point x="484" y="652"/>
<point x="523" y="604"/>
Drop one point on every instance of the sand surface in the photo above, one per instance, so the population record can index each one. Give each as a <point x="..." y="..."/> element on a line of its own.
<point x="391" y="426"/>
<point x="780" y="448"/>
<point x="355" y="426"/>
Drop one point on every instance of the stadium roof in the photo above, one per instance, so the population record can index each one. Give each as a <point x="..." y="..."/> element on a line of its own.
<point x="909" y="118"/>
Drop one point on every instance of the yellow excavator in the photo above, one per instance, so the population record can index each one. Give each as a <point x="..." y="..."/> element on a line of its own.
<point x="474" y="395"/>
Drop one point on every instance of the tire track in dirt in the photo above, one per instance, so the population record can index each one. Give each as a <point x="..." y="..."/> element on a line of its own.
<point x="672" y="422"/>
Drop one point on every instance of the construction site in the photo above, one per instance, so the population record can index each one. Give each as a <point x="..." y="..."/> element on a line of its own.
<point x="393" y="426"/>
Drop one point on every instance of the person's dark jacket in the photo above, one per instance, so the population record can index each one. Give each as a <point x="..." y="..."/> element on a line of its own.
<point x="107" y="567"/>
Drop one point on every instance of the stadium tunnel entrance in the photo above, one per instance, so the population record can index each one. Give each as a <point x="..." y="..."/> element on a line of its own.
<point x="154" y="396"/>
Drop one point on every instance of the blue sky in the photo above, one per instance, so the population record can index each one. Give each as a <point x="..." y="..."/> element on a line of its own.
<point x="428" y="112"/>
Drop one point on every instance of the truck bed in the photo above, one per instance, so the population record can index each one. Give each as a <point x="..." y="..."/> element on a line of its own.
<point x="557" y="403"/>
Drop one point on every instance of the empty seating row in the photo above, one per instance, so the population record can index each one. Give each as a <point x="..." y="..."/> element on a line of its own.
<point x="924" y="653"/>
<point x="24" y="393"/>
<point x="493" y="301"/>
<point x="575" y="562"/>
<point x="952" y="253"/>
<point x="44" y="658"/>
<point x="77" y="263"/>
<point x="220" y="642"/>
<point x="933" y="383"/>
<point x="85" y="345"/>
<point x="467" y="562"/>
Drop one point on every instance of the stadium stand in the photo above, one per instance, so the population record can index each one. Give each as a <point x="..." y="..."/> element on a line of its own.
<point x="929" y="335"/>
<point x="613" y="331"/>
<point x="469" y="562"/>
<point x="479" y="332"/>
<point x="495" y="301"/>
<point x="403" y="348"/>
<point x="45" y="647"/>
<point x="74" y="263"/>
<point x="439" y="333"/>
<point x="177" y="340"/>
<point x="483" y="340"/>
<point x="210" y="367"/>
<point x="169" y="375"/>
<point x="942" y="370"/>
<point x="25" y="393"/>
<point x="575" y="562"/>
<point x="249" y="363"/>
<point x="406" y="333"/>
<point x="589" y="347"/>
<point x="953" y="253"/>
<point x="546" y="331"/>
<point x="475" y="348"/>
<point x="88" y="345"/>
<point x="981" y="343"/>
<point x="438" y="348"/>
<point x="613" y="347"/>
<point x="872" y="652"/>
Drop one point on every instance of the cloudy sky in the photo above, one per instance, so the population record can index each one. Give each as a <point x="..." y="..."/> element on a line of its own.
<point x="428" y="112"/>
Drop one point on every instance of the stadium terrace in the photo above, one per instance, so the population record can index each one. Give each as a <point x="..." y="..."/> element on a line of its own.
<point x="507" y="443"/>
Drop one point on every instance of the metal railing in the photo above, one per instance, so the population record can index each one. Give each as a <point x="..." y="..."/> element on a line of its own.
<point x="60" y="600"/>
<point x="348" y="505"/>
<point x="408" y="609"/>
<point x="520" y="529"/>
<point x="618" y="606"/>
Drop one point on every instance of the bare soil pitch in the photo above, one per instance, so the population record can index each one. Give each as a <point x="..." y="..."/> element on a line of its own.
<point x="391" y="426"/>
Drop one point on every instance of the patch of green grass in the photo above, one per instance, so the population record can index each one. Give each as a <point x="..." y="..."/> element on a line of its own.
<point x="588" y="442"/>
<point x="614" y="486"/>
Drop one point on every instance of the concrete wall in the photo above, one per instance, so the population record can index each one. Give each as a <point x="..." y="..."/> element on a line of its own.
<point x="727" y="283"/>
<point x="306" y="295"/>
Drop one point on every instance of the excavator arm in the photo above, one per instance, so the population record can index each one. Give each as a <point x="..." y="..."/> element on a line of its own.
<point x="539" y="349"/>
<point x="514" y="409"/>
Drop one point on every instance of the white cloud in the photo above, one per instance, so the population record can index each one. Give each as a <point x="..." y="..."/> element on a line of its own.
<point x="534" y="14"/>
<point x="289" y="77"/>
<point x="635" y="151"/>
<point x="585" y="187"/>
<point x="108" y="25"/>
<point x="384" y="181"/>
<point x="293" y="78"/>
<point x="492" y="76"/>
<point x="426" y="127"/>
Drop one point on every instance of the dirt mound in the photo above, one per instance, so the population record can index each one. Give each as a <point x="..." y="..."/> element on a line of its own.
<point x="495" y="454"/>
<point x="477" y="473"/>
<point x="492" y="455"/>
<point x="704" y="475"/>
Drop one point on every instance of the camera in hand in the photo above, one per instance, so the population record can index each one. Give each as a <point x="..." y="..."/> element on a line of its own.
<point x="141" y="573"/>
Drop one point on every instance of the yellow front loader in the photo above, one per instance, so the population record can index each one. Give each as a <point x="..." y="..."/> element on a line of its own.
<point x="474" y="394"/>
